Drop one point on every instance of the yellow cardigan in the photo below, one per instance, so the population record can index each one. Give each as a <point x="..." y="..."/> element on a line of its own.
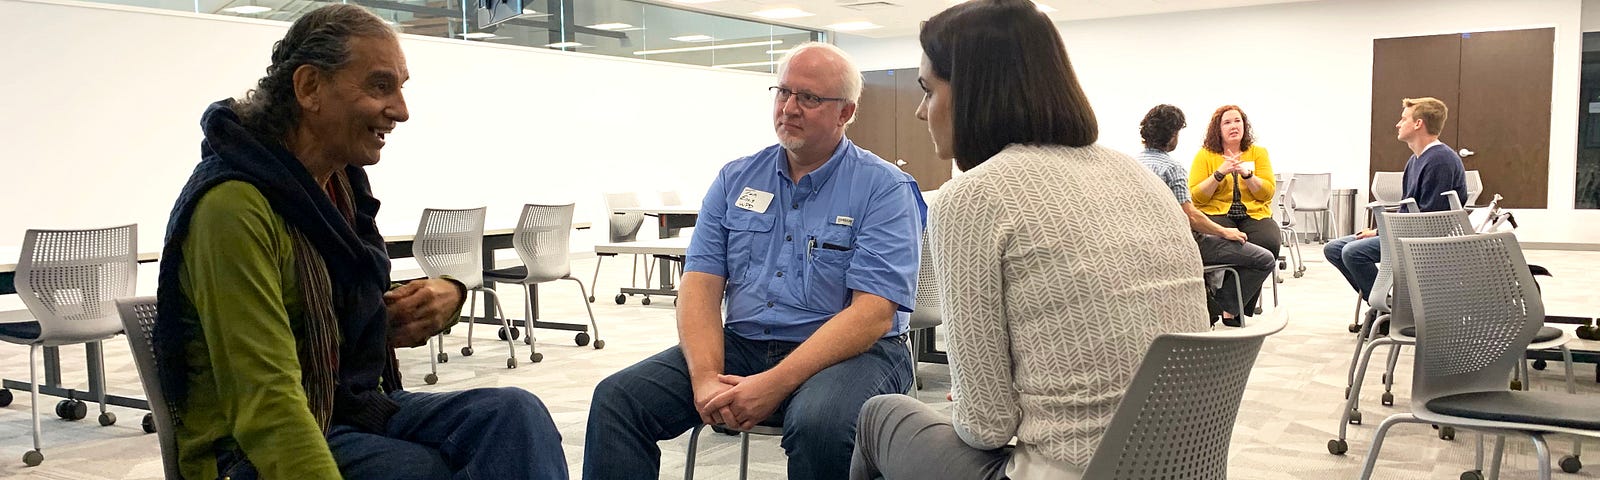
<point x="1257" y="203"/>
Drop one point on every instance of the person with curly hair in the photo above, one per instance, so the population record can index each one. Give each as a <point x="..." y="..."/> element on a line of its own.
<point x="1219" y="245"/>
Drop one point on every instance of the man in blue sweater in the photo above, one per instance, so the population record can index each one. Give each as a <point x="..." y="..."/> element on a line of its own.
<point x="1434" y="168"/>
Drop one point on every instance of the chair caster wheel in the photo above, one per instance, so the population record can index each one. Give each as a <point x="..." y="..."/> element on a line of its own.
<point x="599" y="344"/>
<point x="466" y="351"/>
<point x="33" y="458"/>
<point x="1354" y="418"/>
<point x="1540" y="364"/>
<point x="1299" y="274"/>
<point x="646" y="301"/>
<point x="582" y="338"/>
<point x="1571" y="464"/>
<point x="5" y="397"/>
<point x="1338" y="447"/>
<point x="108" y="419"/>
<point x="536" y="357"/>
<point x="72" y="409"/>
<point x="1259" y="310"/>
<point x="444" y="357"/>
<point x="1587" y="332"/>
<point x="511" y="362"/>
<point x="1447" y="433"/>
<point x="1354" y="328"/>
<point x="149" y="423"/>
<point x="621" y="299"/>
<point x="591" y="299"/>
<point x="514" y="334"/>
<point x="431" y="378"/>
<point x="1388" y="399"/>
<point x="1472" y="475"/>
<point x="1516" y="384"/>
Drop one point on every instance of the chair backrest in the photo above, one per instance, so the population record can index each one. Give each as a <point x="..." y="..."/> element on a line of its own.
<point x="926" y="312"/>
<point x="450" y="242"/>
<point x="139" y="321"/>
<point x="1477" y="309"/>
<point x="624" y="226"/>
<point x="1394" y="228"/>
<point x="1311" y="191"/>
<point x="69" y="280"/>
<point x="1474" y="187"/>
<point x="542" y="238"/>
<point x="1176" y="419"/>
<point x="1388" y="187"/>
<point x="1283" y="207"/>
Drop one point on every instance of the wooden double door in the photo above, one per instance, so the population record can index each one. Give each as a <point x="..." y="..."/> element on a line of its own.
<point x="1497" y="86"/>
<point x="886" y="123"/>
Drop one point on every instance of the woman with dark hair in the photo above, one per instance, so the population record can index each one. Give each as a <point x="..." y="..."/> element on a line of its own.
<point x="1231" y="180"/>
<point x="276" y="324"/>
<point x="1059" y="261"/>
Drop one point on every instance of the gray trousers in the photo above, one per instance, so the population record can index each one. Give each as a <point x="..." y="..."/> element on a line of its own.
<point x="1253" y="263"/>
<point x="900" y="437"/>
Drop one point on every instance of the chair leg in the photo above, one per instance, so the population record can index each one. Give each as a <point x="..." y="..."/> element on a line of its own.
<point x="598" y="343"/>
<point x="1377" y="441"/>
<point x="688" y="463"/>
<point x="1351" y="412"/>
<point x="511" y="345"/>
<point x="916" y="380"/>
<point x="1388" y="374"/>
<point x="744" y="456"/>
<point x="100" y="361"/>
<point x="33" y="392"/>
<point x="596" y="279"/>
<point x="1499" y="454"/>
<point x="1543" y="450"/>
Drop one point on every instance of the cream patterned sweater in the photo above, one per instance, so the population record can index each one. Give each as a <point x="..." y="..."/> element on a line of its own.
<point x="1058" y="267"/>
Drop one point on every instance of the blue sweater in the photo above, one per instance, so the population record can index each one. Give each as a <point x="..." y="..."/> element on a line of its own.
<point x="1429" y="175"/>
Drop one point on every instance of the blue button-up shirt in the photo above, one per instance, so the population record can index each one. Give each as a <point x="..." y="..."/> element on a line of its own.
<point x="853" y="224"/>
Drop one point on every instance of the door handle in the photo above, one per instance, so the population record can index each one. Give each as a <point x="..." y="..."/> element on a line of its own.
<point x="1464" y="153"/>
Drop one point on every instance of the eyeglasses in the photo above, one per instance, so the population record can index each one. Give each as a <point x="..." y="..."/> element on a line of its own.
<point x="806" y="100"/>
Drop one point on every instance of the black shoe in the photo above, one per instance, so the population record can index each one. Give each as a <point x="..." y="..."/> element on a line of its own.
<point x="1232" y="322"/>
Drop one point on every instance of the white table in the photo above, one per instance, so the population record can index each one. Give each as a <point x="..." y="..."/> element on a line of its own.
<point x="1543" y="229"/>
<point x="667" y="250"/>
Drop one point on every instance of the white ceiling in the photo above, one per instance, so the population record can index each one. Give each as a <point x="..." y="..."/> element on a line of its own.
<point x="902" y="17"/>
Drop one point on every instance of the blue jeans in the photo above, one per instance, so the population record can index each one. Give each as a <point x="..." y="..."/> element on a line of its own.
<point x="1357" y="260"/>
<point x="653" y="400"/>
<point x="472" y="434"/>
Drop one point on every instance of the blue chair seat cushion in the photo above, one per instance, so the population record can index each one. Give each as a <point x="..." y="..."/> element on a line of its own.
<point x="1538" y="408"/>
<point x="510" y="274"/>
<point x="1545" y="333"/>
<point x="23" y="330"/>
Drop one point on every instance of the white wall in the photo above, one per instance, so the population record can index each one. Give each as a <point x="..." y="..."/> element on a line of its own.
<point x="102" y="104"/>
<point x="1302" y="71"/>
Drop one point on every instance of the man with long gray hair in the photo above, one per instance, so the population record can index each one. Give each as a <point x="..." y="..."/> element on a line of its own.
<point x="276" y="326"/>
<point x="813" y="243"/>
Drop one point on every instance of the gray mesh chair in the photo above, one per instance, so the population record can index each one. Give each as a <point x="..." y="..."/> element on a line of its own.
<point x="1477" y="310"/>
<point x="1176" y="419"/>
<point x="542" y="240"/>
<point x="1474" y="186"/>
<point x="450" y="242"/>
<point x="925" y="314"/>
<point x="139" y="321"/>
<point x="1312" y="193"/>
<point x="624" y="227"/>
<point x="1284" y="211"/>
<point x="773" y="427"/>
<point x="69" y="279"/>
<point x="1388" y="187"/>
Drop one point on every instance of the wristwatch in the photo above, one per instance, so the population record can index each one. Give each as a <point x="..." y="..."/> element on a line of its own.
<point x="1218" y="175"/>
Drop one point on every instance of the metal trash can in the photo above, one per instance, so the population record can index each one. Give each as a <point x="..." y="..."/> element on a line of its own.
<point x="1342" y="213"/>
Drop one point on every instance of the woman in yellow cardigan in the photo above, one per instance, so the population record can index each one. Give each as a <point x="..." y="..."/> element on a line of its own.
<point x="1228" y="160"/>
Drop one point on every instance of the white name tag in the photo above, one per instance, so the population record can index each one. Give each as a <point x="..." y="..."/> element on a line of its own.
<point x="753" y="200"/>
<point x="843" y="220"/>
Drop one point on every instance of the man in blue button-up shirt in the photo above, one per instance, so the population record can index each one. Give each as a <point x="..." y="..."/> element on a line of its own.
<point x="814" y="245"/>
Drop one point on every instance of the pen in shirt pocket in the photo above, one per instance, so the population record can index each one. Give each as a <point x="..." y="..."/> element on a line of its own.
<point x="811" y="244"/>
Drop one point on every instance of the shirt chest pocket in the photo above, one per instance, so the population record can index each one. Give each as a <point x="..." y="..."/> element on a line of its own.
<point x="749" y="238"/>
<point x="827" y="266"/>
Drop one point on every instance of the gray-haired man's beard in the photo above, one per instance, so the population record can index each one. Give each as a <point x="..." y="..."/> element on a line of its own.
<point x="791" y="143"/>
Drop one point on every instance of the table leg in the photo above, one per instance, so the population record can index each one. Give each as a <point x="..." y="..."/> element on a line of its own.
<point x="52" y="366"/>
